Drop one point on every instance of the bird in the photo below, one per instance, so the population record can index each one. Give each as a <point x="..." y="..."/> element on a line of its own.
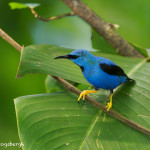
<point x="101" y="72"/>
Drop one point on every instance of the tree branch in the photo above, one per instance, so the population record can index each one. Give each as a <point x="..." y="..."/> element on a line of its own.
<point x="103" y="28"/>
<point x="7" y="38"/>
<point x="50" y="18"/>
<point x="100" y="106"/>
<point x="89" y="99"/>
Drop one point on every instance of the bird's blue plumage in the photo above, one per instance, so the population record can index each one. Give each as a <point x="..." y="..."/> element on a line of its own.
<point x="99" y="71"/>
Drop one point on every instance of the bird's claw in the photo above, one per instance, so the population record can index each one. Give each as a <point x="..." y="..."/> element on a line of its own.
<point x="109" y="105"/>
<point x="83" y="94"/>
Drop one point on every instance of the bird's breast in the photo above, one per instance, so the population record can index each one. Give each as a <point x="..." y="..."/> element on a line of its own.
<point x="91" y="74"/>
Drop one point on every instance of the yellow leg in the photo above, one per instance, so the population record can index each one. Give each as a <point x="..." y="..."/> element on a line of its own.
<point x="84" y="93"/>
<point x="109" y="104"/>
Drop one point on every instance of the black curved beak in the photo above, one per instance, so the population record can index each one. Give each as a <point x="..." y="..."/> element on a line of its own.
<point x="64" y="56"/>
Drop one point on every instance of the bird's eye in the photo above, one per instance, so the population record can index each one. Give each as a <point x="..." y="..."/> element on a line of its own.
<point x="73" y="56"/>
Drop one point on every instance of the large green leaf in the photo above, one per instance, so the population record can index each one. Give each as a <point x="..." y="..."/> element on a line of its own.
<point x="40" y="59"/>
<point x="50" y="121"/>
<point x="57" y="121"/>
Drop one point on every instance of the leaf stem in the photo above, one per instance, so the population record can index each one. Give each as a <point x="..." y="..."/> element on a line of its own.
<point x="77" y="91"/>
<point x="50" y="18"/>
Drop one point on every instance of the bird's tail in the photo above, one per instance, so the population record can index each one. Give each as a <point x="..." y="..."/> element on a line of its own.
<point x="131" y="80"/>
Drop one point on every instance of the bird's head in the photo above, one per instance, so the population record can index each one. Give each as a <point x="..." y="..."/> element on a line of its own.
<point x="78" y="56"/>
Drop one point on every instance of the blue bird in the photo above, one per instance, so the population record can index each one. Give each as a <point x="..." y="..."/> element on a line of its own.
<point x="99" y="71"/>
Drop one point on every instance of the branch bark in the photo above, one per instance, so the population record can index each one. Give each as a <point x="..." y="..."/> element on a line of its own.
<point x="89" y="99"/>
<point x="7" y="38"/>
<point x="103" y="28"/>
<point x="50" y="18"/>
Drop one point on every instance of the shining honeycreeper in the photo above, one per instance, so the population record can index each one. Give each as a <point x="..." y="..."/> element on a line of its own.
<point x="99" y="71"/>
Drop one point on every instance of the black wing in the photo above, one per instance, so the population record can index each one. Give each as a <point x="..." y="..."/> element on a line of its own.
<point x="112" y="69"/>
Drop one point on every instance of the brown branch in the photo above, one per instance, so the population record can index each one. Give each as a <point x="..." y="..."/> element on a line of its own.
<point x="50" y="18"/>
<point x="103" y="108"/>
<point x="103" y="28"/>
<point x="89" y="99"/>
<point x="7" y="38"/>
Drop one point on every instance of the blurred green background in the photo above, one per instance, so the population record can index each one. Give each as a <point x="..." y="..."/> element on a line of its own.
<point x="132" y="16"/>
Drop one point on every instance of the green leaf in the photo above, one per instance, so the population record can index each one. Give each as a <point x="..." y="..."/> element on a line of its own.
<point x="57" y="121"/>
<point x="99" y="43"/>
<point x="48" y="121"/>
<point x="15" y="5"/>
<point x="52" y="85"/>
<point x="40" y="59"/>
<point x="142" y="50"/>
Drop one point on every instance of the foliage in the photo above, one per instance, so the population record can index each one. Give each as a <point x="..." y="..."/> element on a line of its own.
<point x="57" y="121"/>
<point x="98" y="42"/>
<point x="14" y="5"/>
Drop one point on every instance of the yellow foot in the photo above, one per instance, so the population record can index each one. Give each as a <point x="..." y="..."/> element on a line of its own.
<point x="109" y="105"/>
<point x="84" y="93"/>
